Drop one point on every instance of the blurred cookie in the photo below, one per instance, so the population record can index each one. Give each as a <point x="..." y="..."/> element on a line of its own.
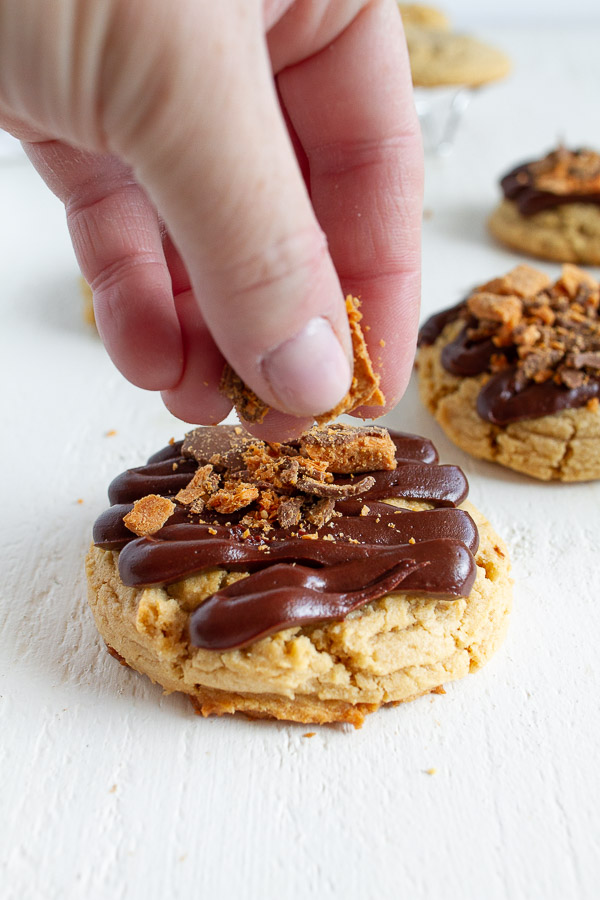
<point x="276" y="581"/>
<point x="423" y="16"/>
<point x="551" y="207"/>
<point x="440" y="57"/>
<point x="88" y="302"/>
<point x="512" y="374"/>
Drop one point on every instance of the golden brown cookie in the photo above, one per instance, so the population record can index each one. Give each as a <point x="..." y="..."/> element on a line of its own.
<point x="568" y="233"/>
<point x="513" y="373"/>
<point x="551" y="207"/>
<point x="423" y="16"/>
<point x="444" y="615"/>
<point x="88" y="302"/>
<point x="440" y="57"/>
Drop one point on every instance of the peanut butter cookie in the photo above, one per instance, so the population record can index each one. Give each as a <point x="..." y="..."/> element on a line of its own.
<point x="551" y="207"/>
<point x="441" y="57"/>
<point x="512" y="374"/>
<point x="423" y="16"/>
<point x="352" y="575"/>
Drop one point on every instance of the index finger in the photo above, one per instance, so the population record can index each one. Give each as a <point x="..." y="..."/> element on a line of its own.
<point x="351" y="106"/>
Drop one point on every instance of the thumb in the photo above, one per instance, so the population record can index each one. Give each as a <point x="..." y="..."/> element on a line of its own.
<point x="208" y="142"/>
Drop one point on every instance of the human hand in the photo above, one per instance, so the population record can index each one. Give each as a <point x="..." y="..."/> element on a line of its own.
<point x="180" y="137"/>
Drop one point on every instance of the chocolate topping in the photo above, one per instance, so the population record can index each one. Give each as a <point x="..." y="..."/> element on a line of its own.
<point x="500" y="401"/>
<point x="433" y="327"/>
<point x="561" y="177"/>
<point x="222" y="446"/>
<point x="286" y="595"/>
<point x="541" y="352"/>
<point x="466" y="357"/>
<point x="335" y="491"/>
<point x="310" y="559"/>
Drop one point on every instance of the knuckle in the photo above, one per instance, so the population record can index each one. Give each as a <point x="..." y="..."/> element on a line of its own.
<point x="280" y="263"/>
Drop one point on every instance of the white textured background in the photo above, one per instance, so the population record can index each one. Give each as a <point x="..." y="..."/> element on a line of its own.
<point x="109" y="790"/>
<point x="463" y="13"/>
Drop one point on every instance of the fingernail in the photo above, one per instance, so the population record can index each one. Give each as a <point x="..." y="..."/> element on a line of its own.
<point x="308" y="373"/>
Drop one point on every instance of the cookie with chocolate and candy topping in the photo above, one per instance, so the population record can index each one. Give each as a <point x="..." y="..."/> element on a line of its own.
<point x="312" y="581"/>
<point x="512" y="373"/>
<point x="551" y="207"/>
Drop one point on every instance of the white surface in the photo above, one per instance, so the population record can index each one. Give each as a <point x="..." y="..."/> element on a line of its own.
<point x="110" y="790"/>
<point x="464" y="13"/>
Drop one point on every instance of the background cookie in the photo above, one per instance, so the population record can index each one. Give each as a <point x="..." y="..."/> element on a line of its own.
<point x="88" y="302"/>
<point x="394" y="648"/>
<point x="439" y="57"/>
<point x="569" y="233"/>
<point x="551" y="207"/>
<point x="563" y="445"/>
<point x="423" y="16"/>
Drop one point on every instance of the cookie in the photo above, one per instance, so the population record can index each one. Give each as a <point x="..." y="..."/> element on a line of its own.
<point x="311" y="582"/>
<point x="88" y="302"/>
<point x="440" y="57"/>
<point x="423" y="16"/>
<point x="551" y="207"/>
<point x="512" y="374"/>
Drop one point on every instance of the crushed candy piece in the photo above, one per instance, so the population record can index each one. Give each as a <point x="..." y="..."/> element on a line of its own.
<point x="149" y="514"/>
<point x="364" y="389"/>
<point x="336" y="491"/>
<point x="232" y="496"/>
<point x="204" y="483"/>
<point x="345" y="449"/>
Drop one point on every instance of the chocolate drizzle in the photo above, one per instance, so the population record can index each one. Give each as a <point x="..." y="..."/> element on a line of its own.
<point x="299" y="576"/>
<point x="433" y="327"/>
<point x="518" y="387"/>
<point x="467" y="357"/>
<point x="500" y="400"/>
<point x="521" y="186"/>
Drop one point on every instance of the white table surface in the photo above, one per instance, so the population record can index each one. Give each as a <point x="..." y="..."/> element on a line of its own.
<point x="110" y="790"/>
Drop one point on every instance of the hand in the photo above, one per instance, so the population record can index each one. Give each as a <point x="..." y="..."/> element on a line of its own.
<point x="229" y="170"/>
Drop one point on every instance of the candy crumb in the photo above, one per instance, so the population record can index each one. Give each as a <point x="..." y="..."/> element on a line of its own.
<point x="149" y="514"/>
